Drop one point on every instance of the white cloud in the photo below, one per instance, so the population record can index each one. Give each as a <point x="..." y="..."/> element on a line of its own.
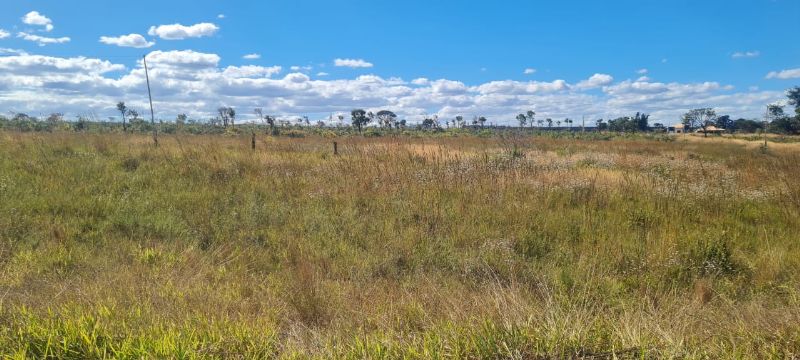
<point x="595" y="81"/>
<point x="784" y="74"/>
<point x="180" y="32"/>
<point x="642" y="71"/>
<point x="186" y="58"/>
<point x="9" y="51"/>
<point x="251" y="71"/>
<point x="4" y="34"/>
<point x="252" y="57"/>
<point x="529" y="71"/>
<point x="35" y="18"/>
<point x="746" y="54"/>
<point x="39" y="65"/>
<point x="322" y="73"/>
<point x="196" y="83"/>
<point x="220" y="16"/>
<point x="42" y="40"/>
<point x="130" y="40"/>
<point x="420" y="81"/>
<point x="352" y="63"/>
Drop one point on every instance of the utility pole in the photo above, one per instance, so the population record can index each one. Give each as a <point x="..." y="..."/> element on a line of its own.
<point x="150" y="96"/>
<point x="583" y="124"/>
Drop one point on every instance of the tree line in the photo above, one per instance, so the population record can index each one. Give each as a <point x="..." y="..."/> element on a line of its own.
<point x="777" y="120"/>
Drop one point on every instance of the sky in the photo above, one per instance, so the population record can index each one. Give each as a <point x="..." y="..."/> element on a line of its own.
<point x="569" y="58"/>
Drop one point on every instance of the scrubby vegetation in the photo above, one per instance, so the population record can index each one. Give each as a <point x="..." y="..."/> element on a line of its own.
<point x="467" y="246"/>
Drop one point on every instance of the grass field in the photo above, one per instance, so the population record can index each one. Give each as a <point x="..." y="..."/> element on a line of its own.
<point x="399" y="247"/>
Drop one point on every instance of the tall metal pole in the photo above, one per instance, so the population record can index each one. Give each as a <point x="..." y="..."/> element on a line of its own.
<point x="150" y="96"/>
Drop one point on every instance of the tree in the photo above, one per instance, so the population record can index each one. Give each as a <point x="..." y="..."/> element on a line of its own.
<point x="702" y="118"/>
<point x="481" y="120"/>
<point x="359" y="118"/>
<point x="781" y="123"/>
<point x="558" y="123"/>
<point x="460" y="121"/>
<point x="259" y="114"/>
<point x="724" y="122"/>
<point x="232" y="116"/>
<point x="270" y="121"/>
<point x="569" y="122"/>
<point x="794" y="98"/>
<point x="386" y="118"/>
<point x="227" y="114"/>
<point x="123" y="109"/>
<point x="522" y="120"/>
<point x="640" y="121"/>
<point x="747" y="126"/>
<point x="549" y="123"/>
<point x="428" y="123"/>
<point x="540" y="122"/>
<point x="775" y="111"/>
<point x="55" y="117"/>
<point x="133" y="114"/>
<point x="181" y="119"/>
<point x="601" y="125"/>
<point x="530" y="115"/>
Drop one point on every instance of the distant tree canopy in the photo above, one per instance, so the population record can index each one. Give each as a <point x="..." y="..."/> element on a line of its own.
<point x="781" y="122"/>
<point x="629" y="124"/>
<point x="794" y="98"/>
<point x="227" y="115"/>
<point x="700" y="118"/>
<point x="359" y="118"/>
<point x="386" y="118"/>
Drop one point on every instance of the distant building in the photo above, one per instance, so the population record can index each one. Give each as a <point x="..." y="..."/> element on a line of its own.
<point x="681" y="128"/>
<point x="677" y="129"/>
<point x="711" y="129"/>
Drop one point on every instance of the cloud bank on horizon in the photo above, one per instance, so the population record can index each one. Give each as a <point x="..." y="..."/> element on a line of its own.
<point x="196" y="82"/>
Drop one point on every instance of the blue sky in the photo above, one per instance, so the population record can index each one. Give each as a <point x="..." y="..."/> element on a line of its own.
<point x="594" y="58"/>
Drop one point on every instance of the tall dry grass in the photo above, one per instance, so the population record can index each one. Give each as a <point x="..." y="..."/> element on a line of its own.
<point x="513" y="247"/>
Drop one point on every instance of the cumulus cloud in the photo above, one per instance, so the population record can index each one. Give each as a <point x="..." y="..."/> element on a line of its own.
<point x="420" y="81"/>
<point x="252" y="57"/>
<point x="130" y="40"/>
<point x="180" y="32"/>
<point x="184" y="58"/>
<point x="4" y="34"/>
<point x="251" y="71"/>
<point x="595" y="81"/>
<point x="529" y="71"/>
<point x="784" y="74"/>
<point x="352" y="63"/>
<point x="745" y="54"/>
<point x="39" y="64"/>
<point x="195" y="83"/>
<point x="42" y="40"/>
<point x="35" y="18"/>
